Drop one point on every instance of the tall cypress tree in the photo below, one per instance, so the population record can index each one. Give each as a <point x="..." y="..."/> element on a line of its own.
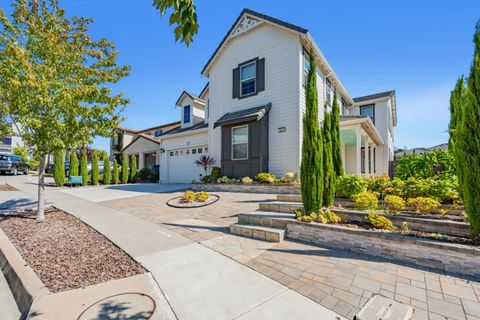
<point x="115" y="179"/>
<point x="73" y="170"/>
<point x="311" y="169"/>
<point x="59" y="163"/>
<point x="95" y="171"/>
<point x="467" y="142"/>
<point x="83" y="166"/>
<point x="336" y="142"/>
<point x="328" y="169"/>
<point x="124" y="168"/>
<point x="133" y="168"/>
<point x="455" y="104"/>
<point x="106" y="169"/>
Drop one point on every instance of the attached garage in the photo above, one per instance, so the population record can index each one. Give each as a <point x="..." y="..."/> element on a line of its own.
<point x="181" y="164"/>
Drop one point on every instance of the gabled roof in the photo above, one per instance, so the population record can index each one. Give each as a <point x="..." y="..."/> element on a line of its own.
<point x="127" y="129"/>
<point x="141" y="136"/>
<point x="385" y="94"/>
<point x="254" y="14"/>
<point x="190" y="95"/>
<point x="160" y="126"/>
<point x="204" y="90"/>
<point x="256" y="113"/>
<point x="176" y="130"/>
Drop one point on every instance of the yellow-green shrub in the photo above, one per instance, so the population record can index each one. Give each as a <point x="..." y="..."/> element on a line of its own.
<point x="394" y="203"/>
<point x="365" y="200"/>
<point x="379" y="222"/>
<point x="265" y="177"/>
<point x="188" y="196"/>
<point x="247" y="180"/>
<point x="423" y="205"/>
<point x="201" y="196"/>
<point x="331" y="217"/>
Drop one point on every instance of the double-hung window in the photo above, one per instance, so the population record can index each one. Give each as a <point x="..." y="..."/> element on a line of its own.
<point x="186" y="114"/>
<point x="248" y="78"/>
<point x="329" y="92"/>
<point x="368" y="111"/>
<point x="240" y="143"/>
<point x="306" y="66"/>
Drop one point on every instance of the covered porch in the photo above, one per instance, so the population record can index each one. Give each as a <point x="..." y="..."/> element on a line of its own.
<point x="361" y="145"/>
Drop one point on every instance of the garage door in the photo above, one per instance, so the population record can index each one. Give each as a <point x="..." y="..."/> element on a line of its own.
<point x="181" y="166"/>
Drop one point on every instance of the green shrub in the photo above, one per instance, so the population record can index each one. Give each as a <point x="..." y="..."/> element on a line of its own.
<point x="201" y="196"/>
<point x="144" y="174"/>
<point x="95" y="170"/>
<point x="380" y="185"/>
<point x="215" y="174"/>
<point x="83" y="166"/>
<point x="426" y="165"/>
<point x="379" y="222"/>
<point x="188" y="196"/>
<point x="133" y="169"/>
<point x="247" y="180"/>
<point x="394" y="203"/>
<point x="365" y="200"/>
<point x="290" y="177"/>
<point x="265" y="177"/>
<point x="106" y="169"/>
<point x="115" y="179"/>
<point x="423" y="204"/>
<point x="59" y="168"/>
<point x="124" y="168"/>
<point x="331" y="217"/>
<point x="349" y="185"/>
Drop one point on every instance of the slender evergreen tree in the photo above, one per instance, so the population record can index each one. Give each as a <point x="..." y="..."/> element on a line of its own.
<point x="115" y="172"/>
<point x="455" y="104"/>
<point x="467" y="142"/>
<point x="84" y="166"/>
<point x="95" y="171"/>
<point x="336" y="142"/>
<point x="328" y="168"/>
<point x="106" y="169"/>
<point x="59" y="167"/>
<point x="133" y="169"/>
<point x="73" y="170"/>
<point x="311" y="169"/>
<point x="124" y="168"/>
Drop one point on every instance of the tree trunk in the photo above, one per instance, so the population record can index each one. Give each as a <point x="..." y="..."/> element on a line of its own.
<point x="41" y="190"/>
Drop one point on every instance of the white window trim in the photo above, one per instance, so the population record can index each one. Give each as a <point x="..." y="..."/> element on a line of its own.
<point x="244" y="80"/>
<point x="237" y="127"/>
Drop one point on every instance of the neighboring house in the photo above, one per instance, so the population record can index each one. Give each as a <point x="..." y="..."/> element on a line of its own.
<point x="249" y="116"/>
<point x="400" y="153"/>
<point x="9" y="142"/>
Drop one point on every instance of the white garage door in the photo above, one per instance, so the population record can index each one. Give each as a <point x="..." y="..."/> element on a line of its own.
<point x="181" y="166"/>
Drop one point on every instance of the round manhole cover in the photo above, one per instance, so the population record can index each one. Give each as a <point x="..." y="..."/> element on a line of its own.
<point x="129" y="305"/>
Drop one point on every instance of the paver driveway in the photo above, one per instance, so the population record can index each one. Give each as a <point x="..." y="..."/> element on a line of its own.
<point x="337" y="279"/>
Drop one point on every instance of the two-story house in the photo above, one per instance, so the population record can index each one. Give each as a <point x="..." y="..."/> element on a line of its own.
<point x="7" y="143"/>
<point x="249" y="116"/>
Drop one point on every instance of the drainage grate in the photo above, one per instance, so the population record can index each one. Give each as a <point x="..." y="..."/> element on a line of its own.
<point x="382" y="308"/>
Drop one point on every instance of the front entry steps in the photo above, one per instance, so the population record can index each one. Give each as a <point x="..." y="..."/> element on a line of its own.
<point x="267" y="226"/>
<point x="257" y="232"/>
<point x="280" y="206"/>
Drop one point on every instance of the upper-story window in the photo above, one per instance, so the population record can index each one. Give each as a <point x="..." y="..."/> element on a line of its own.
<point x="248" y="78"/>
<point x="329" y="92"/>
<point x="306" y="66"/>
<point x="369" y="111"/>
<point x="344" y="108"/>
<point x="158" y="133"/>
<point x="240" y="143"/>
<point x="186" y="114"/>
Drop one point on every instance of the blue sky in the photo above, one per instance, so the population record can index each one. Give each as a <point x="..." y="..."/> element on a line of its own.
<point x="419" y="48"/>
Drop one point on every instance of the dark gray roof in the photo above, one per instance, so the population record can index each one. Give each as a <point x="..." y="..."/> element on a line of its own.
<point x="197" y="126"/>
<point x="346" y="118"/>
<point x="259" y="15"/>
<point x="256" y="113"/>
<point x="374" y="96"/>
<point x="191" y="95"/>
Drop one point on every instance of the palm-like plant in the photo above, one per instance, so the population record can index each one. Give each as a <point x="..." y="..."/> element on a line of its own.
<point x="205" y="162"/>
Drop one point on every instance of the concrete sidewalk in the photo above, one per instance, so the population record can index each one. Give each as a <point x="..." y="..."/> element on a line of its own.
<point x="197" y="282"/>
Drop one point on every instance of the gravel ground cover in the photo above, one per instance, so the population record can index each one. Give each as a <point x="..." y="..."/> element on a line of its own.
<point x="65" y="252"/>
<point x="7" y="187"/>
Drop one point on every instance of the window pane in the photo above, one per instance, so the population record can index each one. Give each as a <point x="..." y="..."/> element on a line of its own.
<point x="240" y="135"/>
<point x="240" y="151"/>
<point x="368" y="111"/>
<point x="186" y="114"/>
<point x="248" y="71"/>
<point x="248" y="87"/>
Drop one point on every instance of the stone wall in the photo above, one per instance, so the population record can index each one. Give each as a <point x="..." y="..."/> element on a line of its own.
<point x="447" y="257"/>
<point x="246" y="188"/>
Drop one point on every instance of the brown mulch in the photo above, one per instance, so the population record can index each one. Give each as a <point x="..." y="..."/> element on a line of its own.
<point x="7" y="187"/>
<point x="65" y="252"/>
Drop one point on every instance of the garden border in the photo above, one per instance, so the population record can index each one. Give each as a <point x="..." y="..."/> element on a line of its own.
<point x="247" y="188"/>
<point x="203" y="204"/>
<point x="447" y="257"/>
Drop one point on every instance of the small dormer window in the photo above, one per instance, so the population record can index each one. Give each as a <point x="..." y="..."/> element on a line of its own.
<point x="186" y="114"/>
<point x="248" y="78"/>
<point x="158" y="133"/>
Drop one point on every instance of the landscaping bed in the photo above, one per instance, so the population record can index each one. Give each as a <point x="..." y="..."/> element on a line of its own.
<point x="194" y="202"/>
<point x="247" y="188"/>
<point x="7" y="187"/>
<point x="65" y="252"/>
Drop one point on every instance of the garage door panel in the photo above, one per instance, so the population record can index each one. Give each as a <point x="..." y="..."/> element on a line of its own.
<point x="181" y="166"/>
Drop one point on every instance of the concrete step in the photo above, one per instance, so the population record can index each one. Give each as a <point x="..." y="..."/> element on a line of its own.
<point x="280" y="206"/>
<point x="276" y="220"/>
<point x="289" y="197"/>
<point x="257" y="232"/>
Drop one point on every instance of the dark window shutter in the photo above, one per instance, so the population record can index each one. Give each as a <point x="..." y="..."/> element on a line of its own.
<point x="261" y="75"/>
<point x="236" y="83"/>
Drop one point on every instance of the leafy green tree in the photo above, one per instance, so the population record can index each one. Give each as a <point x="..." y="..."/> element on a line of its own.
<point x="73" y="171"/>
<point x="328" y="169"/>
<point x="467" y="142"/>
<point x="183" y="15"/>
<point x="124" y="168"/>
<point x="95" y="171"/>
<point x="115" y="179"/>
<point x="133" y="168"/>
<point x="311" y="169"/>
<point x="59" y="167"/>
<point x="84" y="166"/>
<point x="106" y="169"/>
<point x="336" y="142"/>
<point x="56" y="81"/>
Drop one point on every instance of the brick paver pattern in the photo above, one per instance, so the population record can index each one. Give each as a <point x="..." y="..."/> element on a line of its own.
<point x="337" y="279"/>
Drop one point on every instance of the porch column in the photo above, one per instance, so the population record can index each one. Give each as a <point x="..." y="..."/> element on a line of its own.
<point x="365" y="158"/>
<point x="343" y="157"/>
<point x="372" y="158"/>
<point x="358" y="168"/>
<point x="141" y="160"/>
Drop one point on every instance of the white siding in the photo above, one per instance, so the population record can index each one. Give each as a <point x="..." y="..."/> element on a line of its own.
<point x="282" y="52"/>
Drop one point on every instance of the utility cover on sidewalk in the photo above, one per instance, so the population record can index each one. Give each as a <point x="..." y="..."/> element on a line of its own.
<point x="382" y="308"/>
